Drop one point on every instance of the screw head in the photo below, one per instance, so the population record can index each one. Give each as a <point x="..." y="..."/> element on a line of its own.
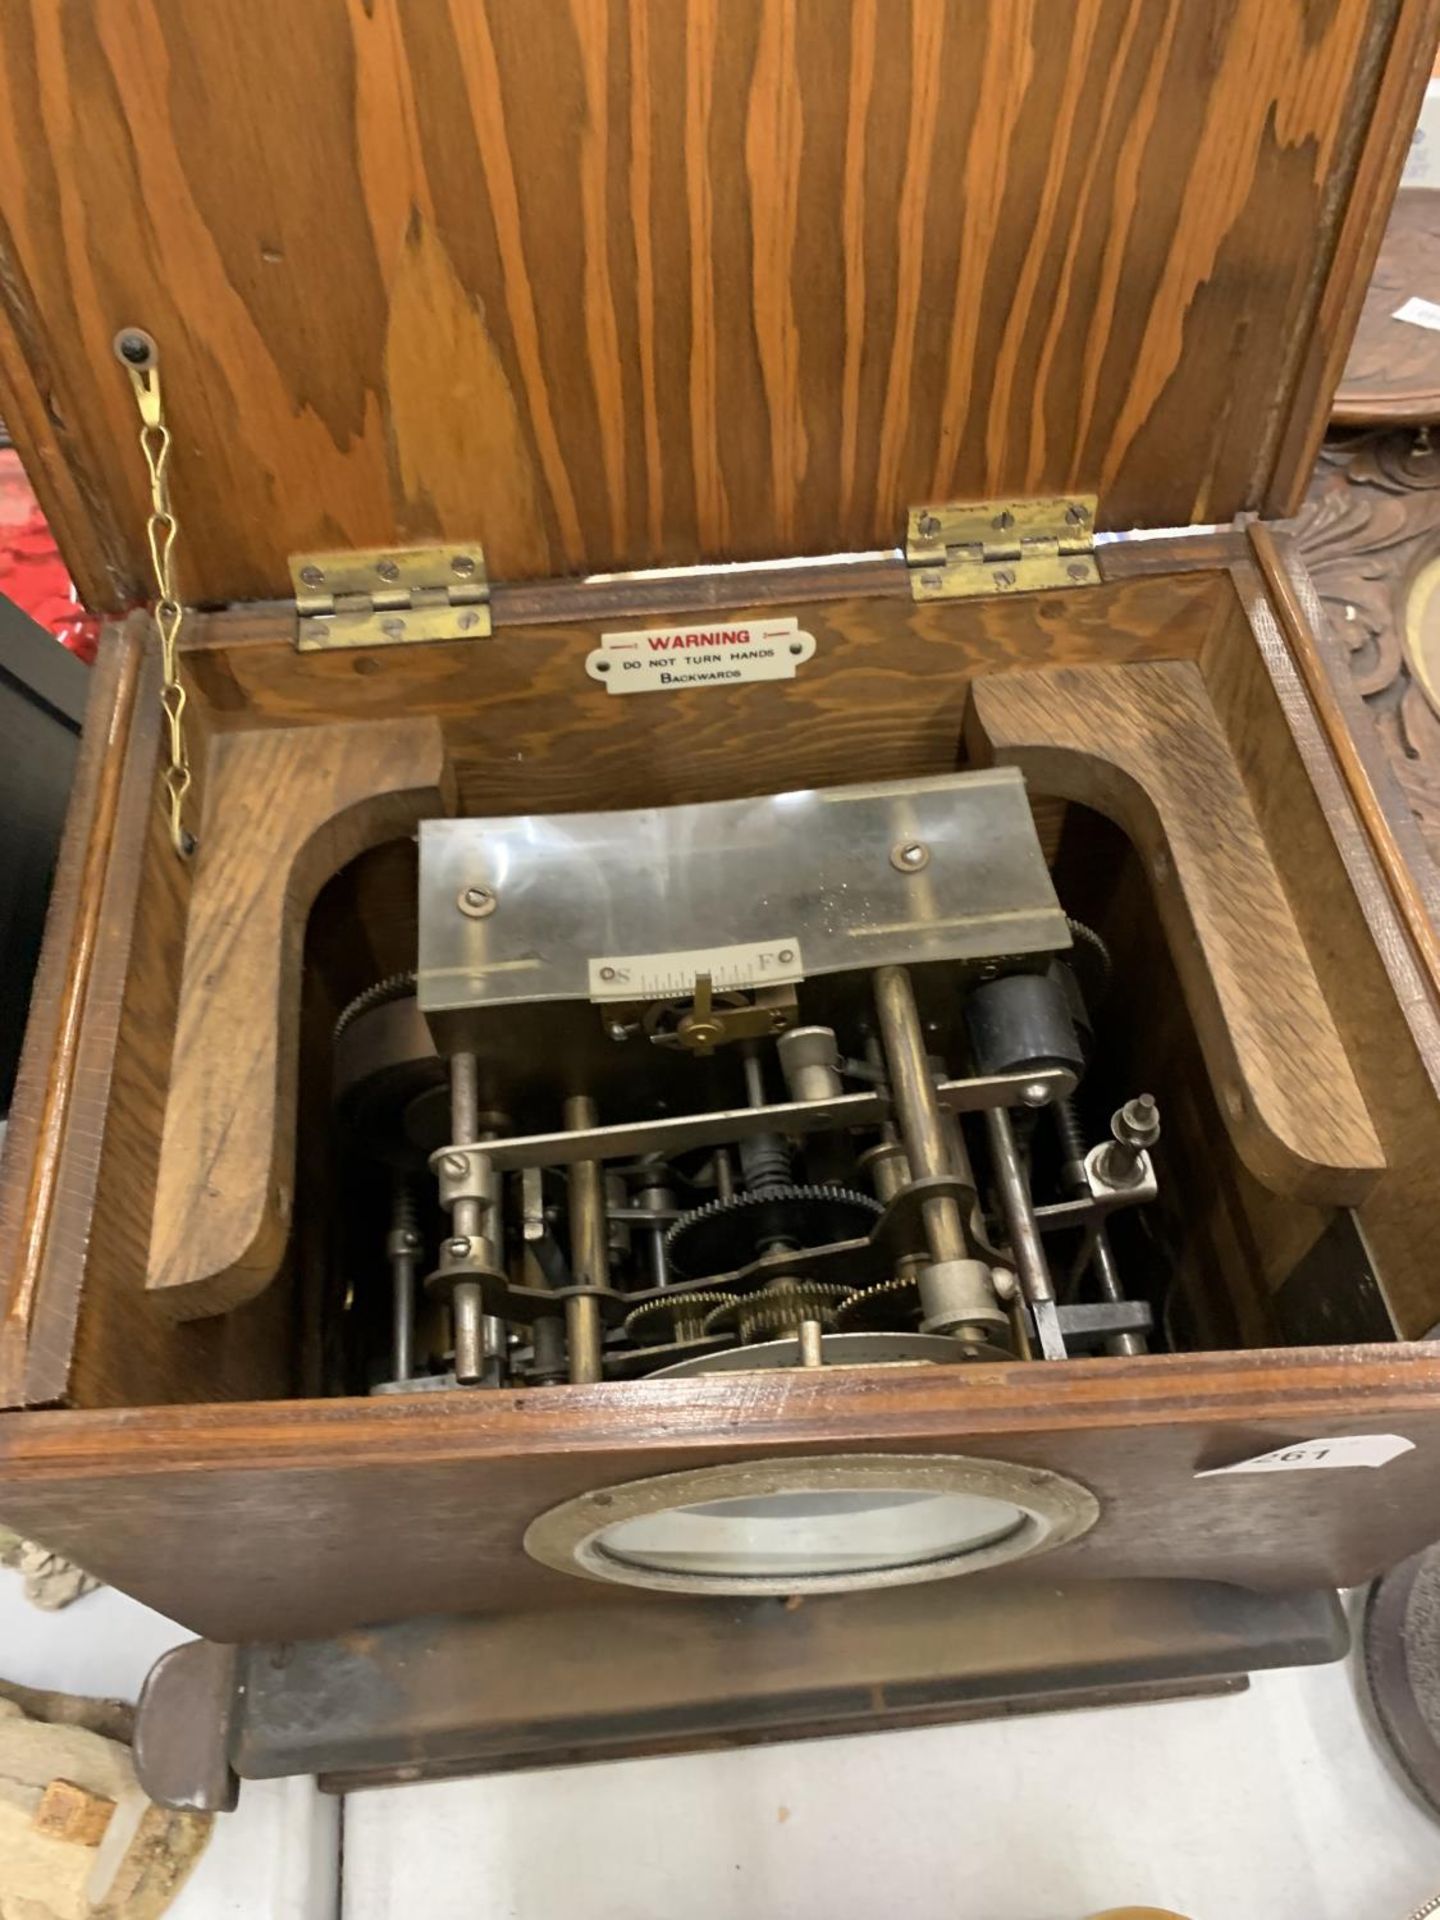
<point x="930" y="580"/>
<point x="387" y="569"/>
<point x="467" y="620"/>
<point x="135" y="348"/>
<point x="462" y="565"/>
<point x="1077" y="570"/>
<point x="928" y="526"/>
<point x="393" y="627"/>
<point x="910" y="856"/>
<point x="455" y="1164"/>
<point x="1035" y="1094"/>
<point x="1076" y="515"/>
<point x="1003" y="520"/>
<point x="1004" y="578"/>
<point x="477" y="902"/>
<point x="458" y="1248"/>
<point x="607" y="973"/>
<point x="312" y="576"/>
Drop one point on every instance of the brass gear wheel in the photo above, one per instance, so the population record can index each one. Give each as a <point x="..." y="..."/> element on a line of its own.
<point x="879" y="1306"/>
<point x="682" y="1318"/>
<point x="777" y="1310"/>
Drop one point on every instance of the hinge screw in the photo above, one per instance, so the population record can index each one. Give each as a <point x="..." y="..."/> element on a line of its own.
<point x="463" y="565"/>
<point x="930" y="580"/>
<point x="1078" y="571"/>
<point x="1004" y="578"/>
<point x="387" y="570"/>
<point x="311" y="576"/>
<point x="1003" y="521"/>
<point x="1075" y="515"/>
<point x="928" y="526"/>
<point x="394" y="628"/>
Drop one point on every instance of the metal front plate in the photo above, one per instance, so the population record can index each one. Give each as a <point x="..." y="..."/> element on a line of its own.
<point x="822" y="869"/>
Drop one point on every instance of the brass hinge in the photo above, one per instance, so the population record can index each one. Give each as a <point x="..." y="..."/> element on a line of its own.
<point x="1001" y="546"/>
<point x="390" y="596"/>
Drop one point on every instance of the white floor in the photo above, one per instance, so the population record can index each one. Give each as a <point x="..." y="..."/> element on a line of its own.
<point x="1270" y="1806"/>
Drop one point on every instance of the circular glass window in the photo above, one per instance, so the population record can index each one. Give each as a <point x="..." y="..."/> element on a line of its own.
<point x="782" y="1535"/>
<point x="824" y="1524"/>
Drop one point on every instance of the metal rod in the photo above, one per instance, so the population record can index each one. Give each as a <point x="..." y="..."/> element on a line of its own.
<point x="589" y="1253"/>
<point x="917" y="1110"/>
<point x="1095" y="1250"/>
<point x="1107" y="1282"/>
<point x="469" y="1318"/>
<point x="659" y="1199"/>
<point x="466" y="1216"/>
<point x="465" y="1221"/>
<point x="678" y="1132"/>
<point x="753" y="1068"/>
<point x="1023" y="1232"/>
<point x="812" y="1351"/>
<point x="403" y="1247"/>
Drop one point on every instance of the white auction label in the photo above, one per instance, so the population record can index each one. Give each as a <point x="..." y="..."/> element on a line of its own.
<point x="653" y="976"/>
<point x="1420" y="313"/>
<point x="720" y="653"/>
<point x="1343" y="1450"/>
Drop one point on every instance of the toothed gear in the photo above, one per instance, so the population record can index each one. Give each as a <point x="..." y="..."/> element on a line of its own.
<point x="395" y="986"/>
<point x="777" y="1310"/>
<point x="682" y="1317"/>
<point x="726" y="1234"/>
<point x="878" y="1306"/>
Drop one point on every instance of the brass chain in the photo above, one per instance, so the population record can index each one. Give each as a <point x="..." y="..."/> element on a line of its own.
<point x="137" y="353"/>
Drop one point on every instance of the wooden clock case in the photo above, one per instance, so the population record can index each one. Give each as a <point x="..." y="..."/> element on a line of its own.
<point x="656" y="304"/>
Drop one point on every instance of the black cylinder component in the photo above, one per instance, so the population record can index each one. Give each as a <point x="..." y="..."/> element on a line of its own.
<point x="1021" y="1023"/>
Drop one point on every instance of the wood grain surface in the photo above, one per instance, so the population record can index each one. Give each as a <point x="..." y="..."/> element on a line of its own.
<point x="285" y="1522"/>
<point x="1382" y="998"/>
<point x="609" y="283"/>
<point x="48" y="1168"/>
<point x="284" y="810"/>
<point x="1380" y="161"/>
<point x="528" y="730"/>
<point x="1144" y="746"/>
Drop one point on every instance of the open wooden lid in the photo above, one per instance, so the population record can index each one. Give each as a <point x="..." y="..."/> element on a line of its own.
<point x="608" y="284"/>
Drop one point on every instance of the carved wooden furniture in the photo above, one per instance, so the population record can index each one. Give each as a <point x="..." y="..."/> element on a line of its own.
<point x="655" y="305"/>
<point x="1370" y="529"/>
